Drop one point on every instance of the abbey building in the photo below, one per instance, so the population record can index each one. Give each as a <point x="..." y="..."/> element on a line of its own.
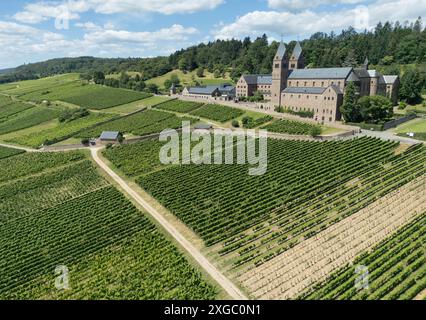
<point x="319" y="90"/>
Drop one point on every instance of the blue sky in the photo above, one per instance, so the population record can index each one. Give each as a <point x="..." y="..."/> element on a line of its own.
<point x="32" y="31"/>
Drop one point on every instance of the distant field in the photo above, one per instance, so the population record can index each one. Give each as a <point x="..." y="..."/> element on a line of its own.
<point x="4" y="100"/>
<point x="87" y="96"/>
<point x="137" y="105"/>
<point x="22" y="87"/>
<point x="8" y="152"/>
<point x="217" y="112"/>
<point x="69" y="215"/>
<point x="97" y="97"/>
<point x="189" y="78"/>
<point x="141" y="123"/>
<point x="60" y="132"/>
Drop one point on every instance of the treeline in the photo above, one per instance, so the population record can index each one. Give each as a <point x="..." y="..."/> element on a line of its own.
<point x="387" y="46"/>
<point x="125" y="81"/>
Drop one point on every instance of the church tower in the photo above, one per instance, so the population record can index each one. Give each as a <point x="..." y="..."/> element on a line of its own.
<point x="366" y="64"/>
<point x="279" y="74"/>
<point x="297" y="60"/>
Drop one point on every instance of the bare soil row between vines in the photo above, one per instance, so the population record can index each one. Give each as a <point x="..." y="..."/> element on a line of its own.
<point x="312" y="261"/>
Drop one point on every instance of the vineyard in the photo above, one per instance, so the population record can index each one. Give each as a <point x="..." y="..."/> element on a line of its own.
<point x="136" y="159"/>
<point x="291" y="273"/>
<point x="140" y="123"/>
<point x="61" y="212"/>
<point x="397" y="269"/>
<point x="33" y="163"/>
<point x="69" y="89"/>
<point x="291" y="127"/>
<point x="97" y="97"/>
<point x="8" y="152"/>
<point x="61" y="131"/>
<point x="179" y="106"/>
<point x="28" y="118"/>
<point x="11" y="108"/>
<point x="217" y="112"/>
<point x="308" y="187"/>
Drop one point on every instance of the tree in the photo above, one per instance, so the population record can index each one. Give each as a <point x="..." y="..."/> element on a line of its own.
<point x="217" y="73"/>
<point x="174" y="79"/>
<point x="200" y="72"/>
<point x="375" y="108"/>
<point x="124" y="79"/>
<point x="98" y="77"/>
<point x="152" y="88"/>
<point x="315" y="131"/>
<point x="183" y="64"/>
<point x="167" y="84"/>
<point x="411" y="86"/>
<point x="349" y="108"/>
<point x="139" y="86"/>
<point x="387" y="60"/>
<point x="350" y="60"/>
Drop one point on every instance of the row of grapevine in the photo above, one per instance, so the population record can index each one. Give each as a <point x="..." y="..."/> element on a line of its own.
<point x="141" y="123"/>
<point x="47" y="189"/>
<point x="217" y="112"/>
<point x="311" y="261"/>
<point x="83" y="95"/>
<point x="309" y="186"/>
<point x="27" y="118"/>
<point x="56" y="210"/>
<point x="180" y="106"/>
<point x="33" y="163"/>
<point x="396" y="269"/>
<point x="12" y="108"/>
<point x="9" y="152"/>
<point x="292" y="127"/>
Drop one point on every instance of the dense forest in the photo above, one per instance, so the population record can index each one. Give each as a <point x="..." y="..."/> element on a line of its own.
<point x="388" y="46"/>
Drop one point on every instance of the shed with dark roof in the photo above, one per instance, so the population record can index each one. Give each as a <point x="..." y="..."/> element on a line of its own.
<point x="110" y="136"/>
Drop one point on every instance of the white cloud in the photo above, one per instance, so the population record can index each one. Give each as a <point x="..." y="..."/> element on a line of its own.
<point x="174" y="33"/>
<point x="307" y="22"/>
<point x="304" y="4"/>
<point x="41" y="11"/>
<point x="23" y="43"/>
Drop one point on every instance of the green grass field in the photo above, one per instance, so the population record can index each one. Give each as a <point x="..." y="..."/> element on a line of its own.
<point x="61" y="212"/>
<point x="23" y="87"/>
<point x="189" y="79"/>
<point x="416" y="126"/>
